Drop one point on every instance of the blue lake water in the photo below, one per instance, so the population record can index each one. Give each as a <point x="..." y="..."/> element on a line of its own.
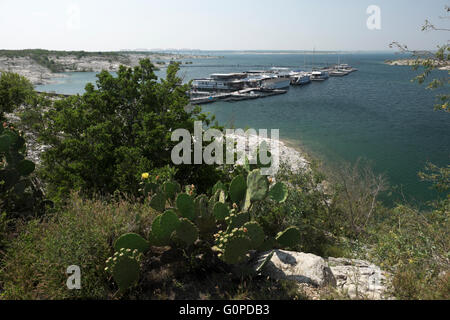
<point x="376" y="113"/>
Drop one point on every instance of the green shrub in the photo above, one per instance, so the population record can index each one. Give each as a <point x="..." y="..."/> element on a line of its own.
<point x="15" y="90"/>
<point x="82" y="234"/>
<point x="113" y="133"/>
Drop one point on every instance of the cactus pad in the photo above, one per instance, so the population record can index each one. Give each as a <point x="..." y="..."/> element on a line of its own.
<point x="256" y="234"/>
<point x="237" y="189"/>
<point x="279" y="192"/>
<point x="185" y="206"/>
<point x="125" y="268"/>
<point x="235" y="249"/>
<point x="131" y="241"/>
<point x="158" y="202"/>
<point x="187" y="232"/>
<point x="257" y="186"/>
<point x="221" y="211"/>
<point x="289" y="237"/>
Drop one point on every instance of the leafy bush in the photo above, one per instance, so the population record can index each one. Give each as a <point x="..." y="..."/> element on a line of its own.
<point x="103" y="140"/>
<point x="14" y="91"/>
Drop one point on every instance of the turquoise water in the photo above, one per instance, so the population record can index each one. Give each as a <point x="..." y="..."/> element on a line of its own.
<point x="375" y="113"/>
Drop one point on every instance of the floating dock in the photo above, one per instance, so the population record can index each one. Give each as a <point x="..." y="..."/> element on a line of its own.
<point x="245" y="94"/>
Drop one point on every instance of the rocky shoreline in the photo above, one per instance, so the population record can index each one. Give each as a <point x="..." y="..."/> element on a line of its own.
<point x="410" y="62"/>
<point x="39" y="74"/>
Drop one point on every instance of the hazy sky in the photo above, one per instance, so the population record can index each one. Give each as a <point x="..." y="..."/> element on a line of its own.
<point x="217" y="25"/>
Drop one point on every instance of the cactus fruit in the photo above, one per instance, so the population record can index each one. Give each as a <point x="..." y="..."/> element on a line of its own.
<point x="187" y="232"/>
<point x="125" y="268"/>
<point x="131" y="241"/>
<point x="185" y="206"/>
<point x="256" y="234"/>
<point x="237" y="189"/>
<point x="279" y="192"/>
<point x="289" y="237"/>
<point x="158" y="202"/>
<point x="257" y="186"/>
<point x="221" y="211"/>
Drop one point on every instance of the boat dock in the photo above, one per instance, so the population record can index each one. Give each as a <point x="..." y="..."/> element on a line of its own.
<point x="258" y="84"/>
<point x="240" y="95"/>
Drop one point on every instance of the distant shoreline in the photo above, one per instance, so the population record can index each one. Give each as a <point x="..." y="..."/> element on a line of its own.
<point x="42" y="66"/>
<point x="410" y="62"/>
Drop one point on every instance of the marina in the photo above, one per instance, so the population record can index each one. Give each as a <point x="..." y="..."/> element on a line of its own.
<point x="256" y="84"/>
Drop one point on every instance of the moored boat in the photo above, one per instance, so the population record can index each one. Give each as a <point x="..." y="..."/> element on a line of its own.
<point x="300" y="78"/>
<point x="319" y="75"/>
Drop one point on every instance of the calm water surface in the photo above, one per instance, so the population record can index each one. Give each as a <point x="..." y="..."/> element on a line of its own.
<point x="375" y="113"/>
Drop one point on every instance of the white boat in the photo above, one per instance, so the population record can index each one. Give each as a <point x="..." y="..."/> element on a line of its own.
<point x="272" y="83"/>
<point x="319" y="75"/>
<point x="299" y="78"/>
<point x="345" y="68"/>
<point x="221" y="82"/>
<point x="338" y="73"/>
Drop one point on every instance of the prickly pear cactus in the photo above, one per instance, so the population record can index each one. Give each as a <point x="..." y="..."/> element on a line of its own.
<point x="158" y="202"/>
<point x="257" y="186"/>
<point x="125" y="268"/>
<point x="170" y="189"/>
<point x="219" y="186"/>
<point x="19" y="197"/>
<point x="163" y="227"/>
<point x="221" y="211"/>
<point x="131" y="241"/>
<point x="238" y="187"/>
<point x="279" y="192"/>
<point x="206" y="222"/>
<point x="255" y="234"/>
<point x="264" y="262"/>
<point x="289" y="237"/>
<point x="237" y="220"/>
<point x="233" y="246"/>
<point x="187" y="232"/>
<point x="186" y="207"/>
